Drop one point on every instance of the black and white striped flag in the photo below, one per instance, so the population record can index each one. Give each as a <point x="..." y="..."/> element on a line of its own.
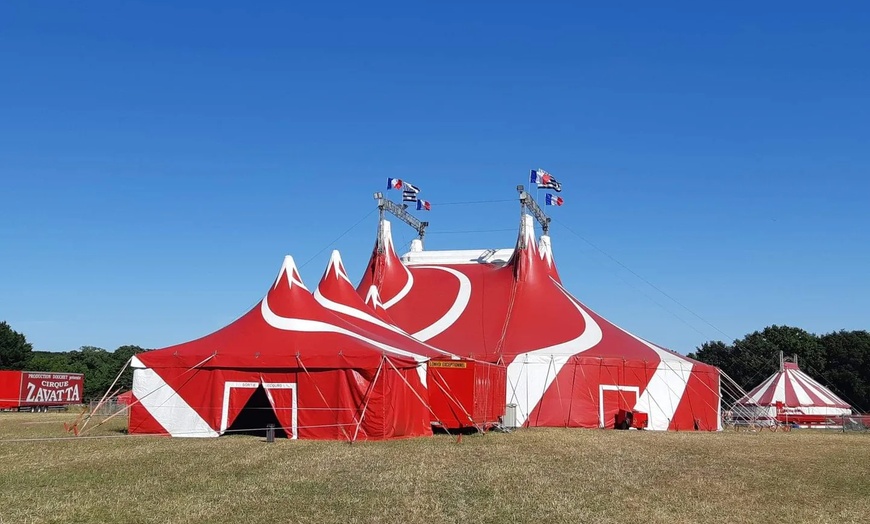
<point x="551" y="183"/>
<point x="409" y="196"/>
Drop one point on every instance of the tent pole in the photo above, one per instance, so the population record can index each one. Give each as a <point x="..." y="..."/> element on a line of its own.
<point x="100" y="403"/>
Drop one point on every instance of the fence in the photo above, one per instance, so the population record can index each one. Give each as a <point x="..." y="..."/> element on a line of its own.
<point x="109" y="407"/>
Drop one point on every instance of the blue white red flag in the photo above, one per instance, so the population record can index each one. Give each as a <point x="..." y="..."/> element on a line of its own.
<point x="553" y="200"/>
<point x="394" y="183"/>
<point x="424" y="205"/>
<point x="537" y="176"/>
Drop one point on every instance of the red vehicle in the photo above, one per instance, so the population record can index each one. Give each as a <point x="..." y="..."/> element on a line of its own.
<point x="37" y="390"/>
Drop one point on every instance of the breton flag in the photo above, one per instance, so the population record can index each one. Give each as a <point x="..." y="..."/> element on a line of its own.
<point x="408" y="196"/>
<point x="424" y="205"/>
<point x="410" y="188"/>
<point x="394" y="183"/>
<point x="544" y="180"/>
<point x="553" y="200"/>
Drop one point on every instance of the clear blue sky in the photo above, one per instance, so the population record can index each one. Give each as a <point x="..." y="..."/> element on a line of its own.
<point x="157" y="159"/>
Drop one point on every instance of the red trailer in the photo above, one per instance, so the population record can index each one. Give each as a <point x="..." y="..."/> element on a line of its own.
<point x="38" y="390"/>
<point x="466" y="393"/>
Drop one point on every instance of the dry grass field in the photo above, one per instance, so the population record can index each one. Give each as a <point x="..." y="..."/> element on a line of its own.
<point x="538" y="475"/>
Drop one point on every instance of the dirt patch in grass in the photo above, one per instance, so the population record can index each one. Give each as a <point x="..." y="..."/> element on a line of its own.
<point x="546" y="475"/>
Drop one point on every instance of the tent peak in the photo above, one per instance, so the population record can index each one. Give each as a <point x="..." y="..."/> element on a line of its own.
<point x="527" y="232"/>
<point x="336" y="266"/>
<point x="289" y="268"/>
<point x="545" y="248"/>
<point x="373" y="297"/>
<point x="385" y="237"/>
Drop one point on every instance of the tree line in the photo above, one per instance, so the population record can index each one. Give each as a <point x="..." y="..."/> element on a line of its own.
<point x="839" y="360"/>
<point x="99" y="366"/>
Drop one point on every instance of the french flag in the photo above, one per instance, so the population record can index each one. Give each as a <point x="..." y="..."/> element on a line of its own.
<point x="553" y="200"/>
<point x="394" y="183"/>
<point x="424" y="205"/>
<point x="540" y="177"/>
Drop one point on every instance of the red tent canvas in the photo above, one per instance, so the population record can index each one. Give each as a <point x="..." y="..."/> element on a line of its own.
<point x="567" y="366"/>
<point x="323" y="377"/>
<point x="125" y="398"/>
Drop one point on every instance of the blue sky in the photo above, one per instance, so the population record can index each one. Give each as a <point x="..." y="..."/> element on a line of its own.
<point x="157" y="159"/>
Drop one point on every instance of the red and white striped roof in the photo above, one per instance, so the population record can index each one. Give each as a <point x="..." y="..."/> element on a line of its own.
<point x="793" y="388"/>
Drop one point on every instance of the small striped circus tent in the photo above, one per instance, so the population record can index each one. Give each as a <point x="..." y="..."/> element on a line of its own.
<point x="790" y="395"/>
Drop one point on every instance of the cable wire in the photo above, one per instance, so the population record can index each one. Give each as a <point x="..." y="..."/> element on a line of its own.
<point x="339" y="237"/>
<point x="473" y="202"/>
<point x="647" y="282"/>
<point x="470" y="231"/>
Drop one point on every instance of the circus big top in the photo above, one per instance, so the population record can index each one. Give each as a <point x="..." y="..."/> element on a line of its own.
<point x="350" y="362"/>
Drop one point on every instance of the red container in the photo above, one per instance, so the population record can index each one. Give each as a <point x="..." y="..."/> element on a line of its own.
<point x="466" y="393"/>
<point x="34" y="389"/>
<point x="626" y="419"/>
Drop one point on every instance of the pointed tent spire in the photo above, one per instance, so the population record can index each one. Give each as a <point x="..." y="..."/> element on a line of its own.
<point x="336" y="287"/>
<point x="385" y="270"/>
<point x="526" y="263"/>
<point x="336" y="266"/>
<point x="545" y="248"/>
<point x="385" y="237"/>
<point x="289" y="270"/>
<point x="373" y="300"/>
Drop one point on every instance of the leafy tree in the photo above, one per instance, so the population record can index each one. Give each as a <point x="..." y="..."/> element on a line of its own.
<point x="14" y="348"/>
<point x="55" y="362"/>
<point x="94" y="362"/>
<point x="752" y="358"/>
<point x="757" y="354"/>
<point x="848" y="370"/>
<point x="100" y="367"/>
<point x="121" y="356"/>
<point x="716" y="353"/>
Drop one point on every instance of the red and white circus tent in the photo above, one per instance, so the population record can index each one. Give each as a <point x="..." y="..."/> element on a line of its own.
<point x="324" y="377"/>
<point x="567" y="366"/>
<point x="790" y="395"/>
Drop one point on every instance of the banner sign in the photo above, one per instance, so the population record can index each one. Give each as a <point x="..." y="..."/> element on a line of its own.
<point x="44" y="389"/>
<point x="447" y="364"/>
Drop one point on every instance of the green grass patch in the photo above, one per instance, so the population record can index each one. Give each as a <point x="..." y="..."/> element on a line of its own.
<point x="535" y="475"/>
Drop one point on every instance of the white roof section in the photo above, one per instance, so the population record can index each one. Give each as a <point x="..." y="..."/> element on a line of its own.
<point x="466" y="256"/>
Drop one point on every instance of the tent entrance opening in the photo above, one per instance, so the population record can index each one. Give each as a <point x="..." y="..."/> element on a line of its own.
<point x="255" y="417"/>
